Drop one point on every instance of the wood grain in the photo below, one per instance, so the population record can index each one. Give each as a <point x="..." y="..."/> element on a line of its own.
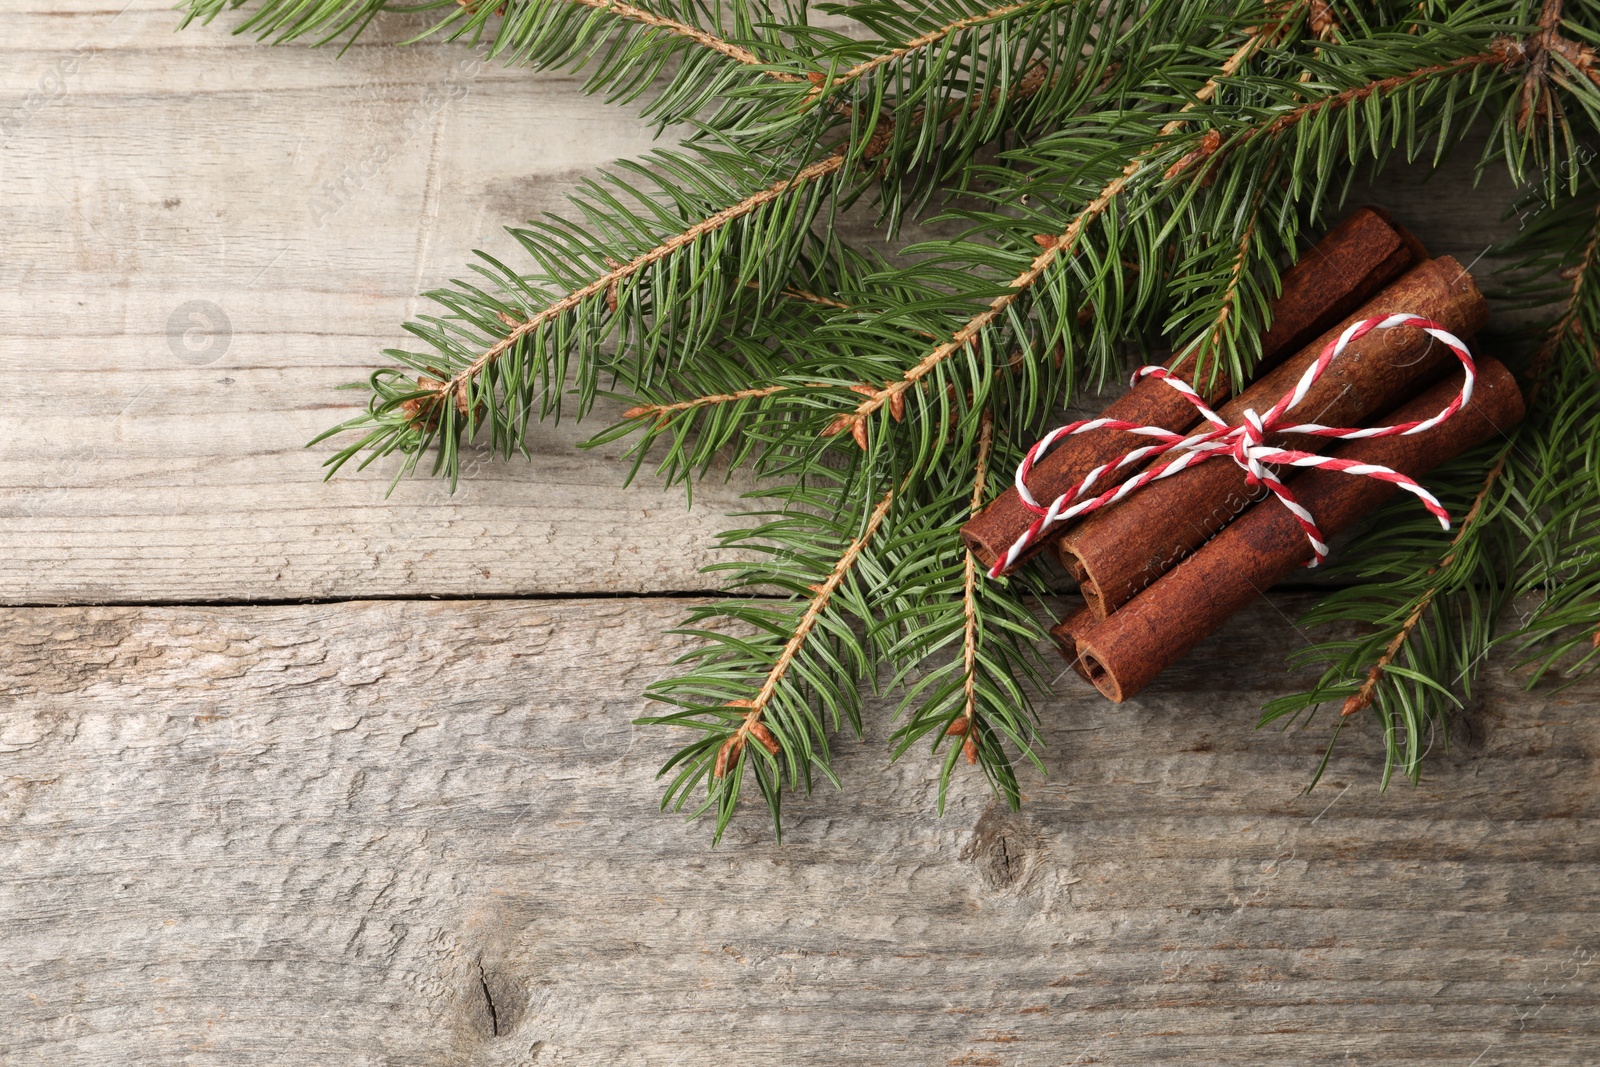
<point x="340" y="833"/>
<point x="197" y="166"/>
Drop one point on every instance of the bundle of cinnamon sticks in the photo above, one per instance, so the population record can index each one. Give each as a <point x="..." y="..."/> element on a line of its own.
<point x="1167" y="565"/>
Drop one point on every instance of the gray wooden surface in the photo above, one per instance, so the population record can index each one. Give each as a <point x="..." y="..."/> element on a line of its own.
<point x="403" y="831"/>
<point x="173" y="168"/>
<point x="423" y="833"/>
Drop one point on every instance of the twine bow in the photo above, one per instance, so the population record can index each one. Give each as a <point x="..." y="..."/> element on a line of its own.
<point x="1244" y="443"/>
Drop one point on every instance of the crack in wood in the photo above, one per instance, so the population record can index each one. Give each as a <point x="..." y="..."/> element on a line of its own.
<point x="488" y="999"/>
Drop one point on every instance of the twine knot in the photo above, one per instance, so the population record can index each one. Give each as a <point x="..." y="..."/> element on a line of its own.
<point x="1246" y="443"/>
<point x="1251" y="435"/>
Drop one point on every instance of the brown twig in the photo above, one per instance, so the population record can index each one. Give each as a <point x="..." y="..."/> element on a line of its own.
<point x="805" y="296"/>
<point x="660" y="410"/>
<point x="1536" y="51"/>
<point x="1380" y="87"/>
<point x="839" y="425"/>
<point x="1570" y="316"/>
<point x="1535" y="101"/>
<point x="683" y="29"/>
<point x="699" y="36"/>
<point x="963" y="725"/>
<point x="752" y="726"/>
<point x="1230" y="294"/>
<point x="1209" y="143"/>
<point x="931" y="37"/>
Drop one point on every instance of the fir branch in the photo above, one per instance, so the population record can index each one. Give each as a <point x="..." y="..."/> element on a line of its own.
<point x="963" y="644"/>
<point x="1265" y="140"/>
<point x="288" y="20"/>
<point x="691" y="72"/>
<point x="1235" y="323"/>
<point x="1503" y="55"/>
<point x="1559" y="561"/>
<point x="508" y="10"/>
<point x="944" y="79"/>
<point x="729" y="752"/>
<point x="1230" y="291"/>
<point x="292" y="19"/>
<point x="939" y="35"/>
<point x="1568" y="326"/>
<point x="808" y="655"/>
<point x="708" y="403"/>
<point x="964" y="726"/>
<point x="1168" y="151"/>
<point x="1430" y="599"/>
<point x="1530" y="528"/>
<point x="1362" y="698"/>
<point x="459" y="385"/>
<point x="1065" y="243"/>
<point x="1560" y="517"/>
<point x="671" y="287"/>
<point x="658" y="410"/>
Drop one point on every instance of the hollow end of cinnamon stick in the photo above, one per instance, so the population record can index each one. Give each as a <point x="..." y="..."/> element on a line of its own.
<point x="1066" y="633"/>
<point x="982" y="541"/>
<point x="1102" y="669"/>
<point x="1096" y="674"/>
<point x="1069" y="636"/>
<point x="1088" y="588"/>
<point x="1074" y="565"/>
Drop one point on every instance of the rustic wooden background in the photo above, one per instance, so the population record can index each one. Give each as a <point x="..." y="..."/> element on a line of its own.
<point x="293" y="773"/>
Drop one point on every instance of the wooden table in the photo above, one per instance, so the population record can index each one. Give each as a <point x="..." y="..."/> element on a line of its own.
<point x="295" y="773"/>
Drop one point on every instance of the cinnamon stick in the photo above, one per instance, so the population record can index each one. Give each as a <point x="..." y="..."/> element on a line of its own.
<point x="1066" y="634"/>
<point x="1119" y="550"/>
<point x="1123" y="653"/>
<point x="1356" y="259"/>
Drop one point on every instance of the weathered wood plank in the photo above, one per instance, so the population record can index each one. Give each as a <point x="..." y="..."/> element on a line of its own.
<point x="339" y="833"/>
<point x="171" y="168"/>
<point x="145" y="169"/>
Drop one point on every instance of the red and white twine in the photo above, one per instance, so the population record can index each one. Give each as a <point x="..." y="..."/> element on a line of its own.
<point x="1244" y="443"/>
